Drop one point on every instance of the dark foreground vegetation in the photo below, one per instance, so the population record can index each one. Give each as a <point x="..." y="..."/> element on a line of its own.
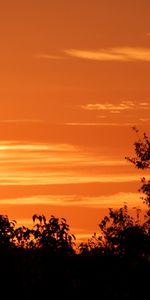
<point x="45" y="263"/>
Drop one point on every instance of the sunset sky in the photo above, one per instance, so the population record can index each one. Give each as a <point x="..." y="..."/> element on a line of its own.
<point x="74" y="80"/>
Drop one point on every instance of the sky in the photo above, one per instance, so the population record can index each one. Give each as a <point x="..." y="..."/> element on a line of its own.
<point x="74" y="80"/>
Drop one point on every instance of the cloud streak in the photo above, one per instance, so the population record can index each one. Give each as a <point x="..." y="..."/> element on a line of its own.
<point x="47" y="164"/>
<point x="107" y="124"/>
<point x="111" y="107"/>
<point x="126" y="54"/>
<point x="115" y="200"/>
<point x="56" y="177"/>
<point x="33" y="147"/>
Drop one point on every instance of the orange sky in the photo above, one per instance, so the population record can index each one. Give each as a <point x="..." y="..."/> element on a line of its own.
<point x="74" y="79"/>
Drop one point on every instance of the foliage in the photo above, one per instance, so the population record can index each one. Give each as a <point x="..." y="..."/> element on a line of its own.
<point x="92" y="247"/>
<point x="24" y="237"/>
<point x="142" y="151"/>
<point x="7" y="232"/>
<point x="120" y="234"/>
<point x="142" y="161"/>
<point x="52" y="234"/>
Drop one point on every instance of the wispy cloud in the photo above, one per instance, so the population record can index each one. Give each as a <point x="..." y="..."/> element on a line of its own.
<point x="111" y="107"/>
<point x="144" y="119"/>
<point x="126" y="54"/>
<point x="42" y="164"/>
<point x="33" y="147"/>
<point x="51" y="178"/>
<point x="115" y="200"/>
<point x="117" y="108"/>
<point x="114" y="124"/>
<point x="144" y="104"/>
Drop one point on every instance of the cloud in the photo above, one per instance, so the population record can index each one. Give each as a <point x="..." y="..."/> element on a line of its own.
<point x="52" y="155"/>
<point x="114" y="108"/>
<point x="115" y="200"/>
<point x="144" y="119"/>
<point x="113" y="54"/>
<point x="144" y="104"/>
<point x="31" y="178"/>
<point x="34" y="147"/>
<point x="114" y="124"/>
<point x="39" y="164"/>
<point x="126" y="54"/>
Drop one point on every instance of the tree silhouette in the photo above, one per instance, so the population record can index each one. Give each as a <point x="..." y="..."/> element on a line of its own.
<point x="7" y="232"/>
<point x="142" y="161"/>
<point x="52" y="234"/>
<point x="120" y="235"/>
<point x="24" y="238"/>
<point x="94" y="246"/>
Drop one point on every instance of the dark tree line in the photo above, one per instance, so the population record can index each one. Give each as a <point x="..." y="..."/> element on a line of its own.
<point x="120" y="234"/>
